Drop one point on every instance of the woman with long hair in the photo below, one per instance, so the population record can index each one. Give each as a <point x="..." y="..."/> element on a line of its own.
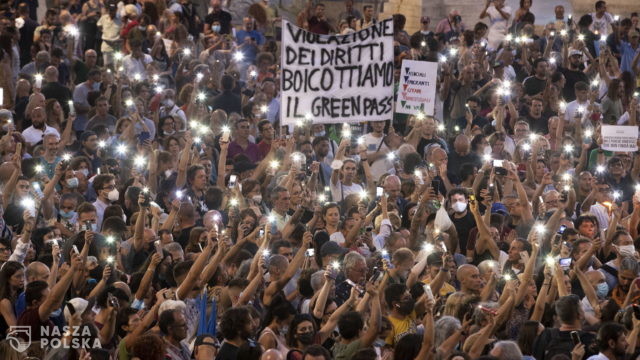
<point x="55" y="114"/>
<point x="11" y="284"/>
<point x="276" y="325"/>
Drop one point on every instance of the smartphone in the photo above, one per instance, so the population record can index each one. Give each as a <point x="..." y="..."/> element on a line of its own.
<point x="354" y="285"/>
<point x="565" y="263"/>
<point x="87" y="225"/>
<point x="379" y="191"/>
<point x="491" y="189"/>
<point x="436" y="185"/>
<point x="376" y="275"/>
<point x="113" y="301"/>
<point x="75" y="250"/>
<point x="225" y="136"/>
<point x="575" y="337"/>
<point x="261" y="233"/>
<point x="562" y="229"/>
<point x="368" y="229"/>
<point x="232" y="181"/>
<point x="427" y="290"/>
<point x="158" y="247"/>
<point x="310" y="252"/>
<point x="498" y="166"/>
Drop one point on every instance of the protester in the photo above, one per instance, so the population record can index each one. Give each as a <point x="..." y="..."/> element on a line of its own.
<point x="157" y="203"/>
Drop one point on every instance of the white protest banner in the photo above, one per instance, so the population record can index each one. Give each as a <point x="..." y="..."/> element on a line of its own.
<point x="619" y="138"/>
<point x="417" y="90"/>
<point x="337" y="78"/>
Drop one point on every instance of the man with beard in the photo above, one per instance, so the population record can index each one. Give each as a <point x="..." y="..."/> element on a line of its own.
<point x="89" y="149"/>
<point x="402" y="315"/>
<point x="321" y="146"/>
<point x="461" y="217"/>
<point x="34" y="133"/>
<point x="236" y="327"/>
<point x="612" y="342"/>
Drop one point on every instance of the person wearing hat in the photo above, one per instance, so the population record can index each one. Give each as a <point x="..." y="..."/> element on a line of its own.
<point x="110" y="25"/>
<point x="572" y="70"/>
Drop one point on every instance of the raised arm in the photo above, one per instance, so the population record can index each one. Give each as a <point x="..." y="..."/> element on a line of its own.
<point x="138" y="234"/>
<point x="195" y="271"/>
<point x="54" y="300"/>
<point x="293" y="267"/>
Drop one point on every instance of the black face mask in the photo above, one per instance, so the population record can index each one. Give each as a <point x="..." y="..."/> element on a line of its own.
<point x="406" y="306"/>
<point x="96" y="273"/>
<point x="306" y="338"/>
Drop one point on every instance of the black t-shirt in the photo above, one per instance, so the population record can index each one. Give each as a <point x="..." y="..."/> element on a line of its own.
<point x="463" y="227"/>
<point x="227" y="352"/>
<point x="572" y="77"/>
<point x="183" y="239"/>
<point x="533" y="85"/>
<point x="539" y="125"/>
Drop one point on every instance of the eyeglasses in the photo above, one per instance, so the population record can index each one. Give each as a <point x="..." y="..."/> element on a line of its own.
<point x="109" y="187"/>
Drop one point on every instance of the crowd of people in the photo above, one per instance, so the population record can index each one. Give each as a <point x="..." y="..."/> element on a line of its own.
<point x="154" y="207"/>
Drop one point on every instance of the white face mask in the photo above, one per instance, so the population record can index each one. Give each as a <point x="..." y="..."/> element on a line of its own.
<point x="113" y="195"/>
<point x="257" y="198"/>
<point x="627" y="250"/>
<point x="320" y="133"/>
<point x="169" y="103"/>
<point x="85" y="172"/>
<point x="167" y="173"/>
<point x="459" y="206"/>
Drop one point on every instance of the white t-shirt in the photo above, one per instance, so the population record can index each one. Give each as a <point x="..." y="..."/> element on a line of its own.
<point x="34" y="136"/>
<point x="382" y="165"/>
<point x="340" y="191"/>
<point x="601" y="26"/>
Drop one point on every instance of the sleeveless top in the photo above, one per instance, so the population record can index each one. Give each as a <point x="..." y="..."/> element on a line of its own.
<point x="280" y="341"/>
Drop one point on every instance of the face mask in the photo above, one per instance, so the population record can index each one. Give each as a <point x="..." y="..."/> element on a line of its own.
<point x="96" y="273"/>
<point x="306" y="338"/>
<point x="627" y="250"/>
<point x="257" y="198"/>
<point x="284" y="330"/>
<point x="85" y="172"/>
<point x="379" y="343"/>
<point x="406" y="307"/>
<point x="602" y="290"/>
<point x="169" y="133"/>
<point x="215" y="28"/>
<point x="113" y="195"/>
<point x="320" y="133"/>
<point x="67" y="214"/>
<point x="169" y="103"/>
<point x="168" y="173"/>
<point x="73" y="182"/>
<point x="459" y="206"/>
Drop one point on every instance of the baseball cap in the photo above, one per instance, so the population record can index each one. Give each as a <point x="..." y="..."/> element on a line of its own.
<point x="575" y="52"/>
<point x="77" y="305"/>
<point x="499" y="208"/>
